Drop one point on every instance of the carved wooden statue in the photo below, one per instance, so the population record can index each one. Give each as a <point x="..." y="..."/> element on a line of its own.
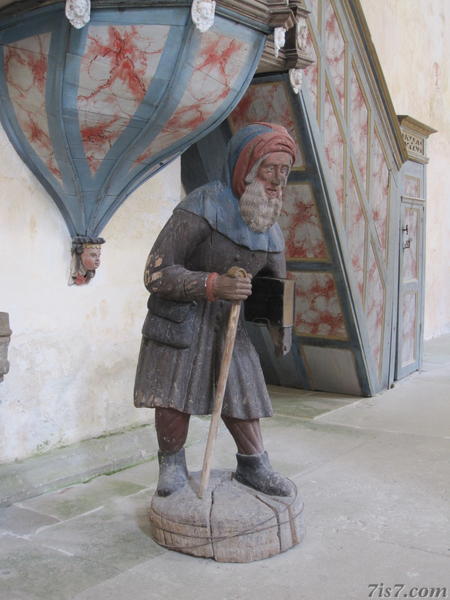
<point x="220" y="225"/>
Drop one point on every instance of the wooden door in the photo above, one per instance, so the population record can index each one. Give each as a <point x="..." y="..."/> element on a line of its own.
<point x="411" y="292"/>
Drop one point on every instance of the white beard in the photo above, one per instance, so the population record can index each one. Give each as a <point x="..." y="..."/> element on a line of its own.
<point x="258" y="210"/>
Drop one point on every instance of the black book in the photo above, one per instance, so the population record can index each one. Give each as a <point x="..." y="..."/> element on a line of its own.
<point x="272" y="301"/>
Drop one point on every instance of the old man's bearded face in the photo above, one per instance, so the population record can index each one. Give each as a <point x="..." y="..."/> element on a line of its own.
<point x="260" y="204"/>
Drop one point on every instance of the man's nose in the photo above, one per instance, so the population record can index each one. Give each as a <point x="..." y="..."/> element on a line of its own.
<point x="277" y="177"/>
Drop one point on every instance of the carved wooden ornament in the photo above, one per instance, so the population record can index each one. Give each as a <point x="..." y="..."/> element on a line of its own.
<point x="301" y="34"/>
<point x="86" y="253"/>
<point x="78" y="12"/>
<point x="203" y="12"/>
<point x="279" y="39"/>
<point x="296" y="79"/>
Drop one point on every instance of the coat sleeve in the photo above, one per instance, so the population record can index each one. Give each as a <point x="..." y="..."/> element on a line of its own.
<point x="165" y="272"/>
<point x="275" y="266"/>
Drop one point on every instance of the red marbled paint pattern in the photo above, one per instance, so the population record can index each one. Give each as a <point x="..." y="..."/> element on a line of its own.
<point x="359" y="128"/>
<point x="374" y="306"/>
<point x="267" y="102"/>
<point x="335" y="51"/>
<point x="356" y="228"/>
<point x="379" y="196"/>
<point x="301" y="225"/>
<point x="26" y="65"/>
<point x="408" y="333"/>
<point x="116" y="71"/>
<point x="317" y="309"/>
<point x="311" y="74"/>
<point x="334" y="151"/>
<point x="217" y="66"/>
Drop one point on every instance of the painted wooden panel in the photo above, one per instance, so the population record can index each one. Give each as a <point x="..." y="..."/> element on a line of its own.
<point x="217" y="66"/>
<point x="362" y="178"/>
<point x="25" y="66"/>
<point x="115" y="73"/>
<point x="331" y="369"/>
<point x="413" y="180"/>
<point x="412" y="186"/>
<point x="409" y="315"/>
<point x="359" y="127"/>
<point x="267" y="102"/>
<point x="335" y="51"/>
<point x="379" y="194"/>
<point x="334" y="150"/>
<point x="356" y="229"/>
<point x="318" y="311"/>
<point x="311" y="73"/>
<point x="301" y="225"/>
<point x="411" y="239"/>
<point x="374" y="306"/>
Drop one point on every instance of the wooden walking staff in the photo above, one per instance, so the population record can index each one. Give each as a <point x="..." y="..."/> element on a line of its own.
<point x="233" y="320"/>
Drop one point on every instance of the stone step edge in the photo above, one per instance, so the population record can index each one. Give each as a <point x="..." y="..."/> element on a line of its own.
<point x="82" y="461"/>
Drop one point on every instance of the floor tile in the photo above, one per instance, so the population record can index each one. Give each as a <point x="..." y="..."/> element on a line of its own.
<point x="79" y="499"/>
<point x="117" y="534"/>
<point x="29" y="571"/>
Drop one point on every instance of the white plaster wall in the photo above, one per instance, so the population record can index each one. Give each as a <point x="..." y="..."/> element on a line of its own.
<point x="74" y="350"/>
<point x="412" y="39"/>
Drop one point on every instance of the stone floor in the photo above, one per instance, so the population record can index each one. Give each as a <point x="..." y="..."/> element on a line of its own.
<point x="374" y="475"/>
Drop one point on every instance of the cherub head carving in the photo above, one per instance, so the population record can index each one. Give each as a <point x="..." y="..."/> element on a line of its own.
<point x="296" y="79"/>
<point x="202" y="13"/>
<point x="78" y="12"/>
<point x="302" y="34"/>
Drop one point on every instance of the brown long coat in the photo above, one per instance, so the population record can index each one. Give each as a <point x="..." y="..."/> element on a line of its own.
<point x="186" y="251"/>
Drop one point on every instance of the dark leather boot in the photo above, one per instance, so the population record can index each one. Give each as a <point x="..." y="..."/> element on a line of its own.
<point x="173" y="472"/>
<point x="256" y="471"/>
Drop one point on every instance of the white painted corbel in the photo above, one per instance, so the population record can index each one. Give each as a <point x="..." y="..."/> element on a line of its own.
<point x="301" y="34"/>
<point x="279" y="39"/>
<point x="296" y="79"/>
<point x="203" y="13"/>
<point x="78" y="12"/>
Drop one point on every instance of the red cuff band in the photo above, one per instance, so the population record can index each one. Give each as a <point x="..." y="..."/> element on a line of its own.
<point x="210" y="296"/>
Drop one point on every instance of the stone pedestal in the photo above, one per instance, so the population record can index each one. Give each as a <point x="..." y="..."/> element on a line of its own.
<point x="232" y="523"/>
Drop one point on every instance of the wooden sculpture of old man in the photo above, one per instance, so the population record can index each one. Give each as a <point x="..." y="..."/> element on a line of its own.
<point x="219" y="225"/>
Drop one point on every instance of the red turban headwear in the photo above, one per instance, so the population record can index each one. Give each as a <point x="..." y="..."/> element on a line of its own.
<point x="275" y="140"/>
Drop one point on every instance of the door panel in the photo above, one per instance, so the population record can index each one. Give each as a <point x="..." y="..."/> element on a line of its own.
<point x="410" y="313"/>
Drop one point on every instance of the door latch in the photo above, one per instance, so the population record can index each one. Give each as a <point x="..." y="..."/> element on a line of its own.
<point x="407" y="241"/>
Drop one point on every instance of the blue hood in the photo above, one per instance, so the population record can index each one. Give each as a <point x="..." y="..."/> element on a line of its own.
<point x="216" y="203"/>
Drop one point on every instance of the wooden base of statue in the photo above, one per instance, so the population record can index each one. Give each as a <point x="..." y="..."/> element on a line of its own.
<point x="232" y="523"/>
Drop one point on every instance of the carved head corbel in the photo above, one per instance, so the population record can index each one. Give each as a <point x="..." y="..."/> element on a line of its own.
<point x="202" y="13"/>
<point x="78" y="12"/>
<point x="86" y="253"/>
